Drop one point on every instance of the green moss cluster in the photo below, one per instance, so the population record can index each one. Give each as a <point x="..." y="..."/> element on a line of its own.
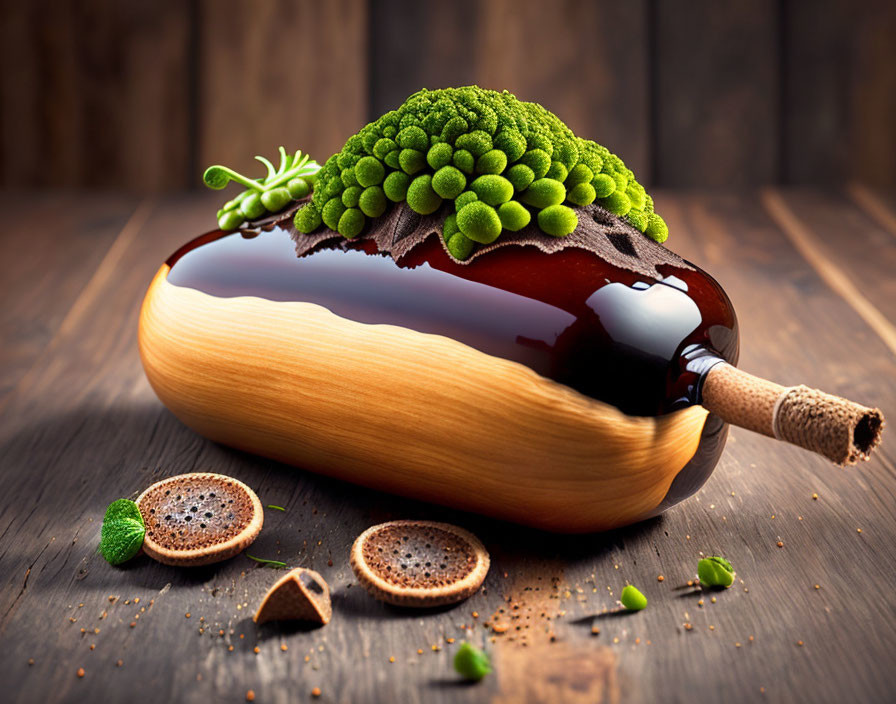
<point x="501" y="161"/>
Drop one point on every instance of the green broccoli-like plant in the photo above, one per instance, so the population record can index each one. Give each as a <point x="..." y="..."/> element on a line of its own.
<point x="501" y="161"/>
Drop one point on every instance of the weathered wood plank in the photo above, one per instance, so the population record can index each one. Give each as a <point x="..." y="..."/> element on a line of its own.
<point x="279" y="73"/>
<point x="50" y="258"/>
<point x="839" y="87"/>
<point x="95" y="94"/>
<point x="587" y="62"/>
<point x="717" y="93"/>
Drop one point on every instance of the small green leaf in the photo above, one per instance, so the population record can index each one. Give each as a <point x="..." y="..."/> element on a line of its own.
<point x="266" y="563"/>
<point x="123" y="531"/>
<point x="715" y="572"/>
<point x="632" y="599"/>
<point x="471" y="662"/>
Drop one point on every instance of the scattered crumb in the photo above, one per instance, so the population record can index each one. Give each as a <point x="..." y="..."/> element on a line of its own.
<point x="391" y="658"/>
<point x="119" y="663"/>
<point x="815" y="497"/>
<point x="80" y="672"/>
<point x="712" y="599"/>
<point x="419" y="651"/>
<point x="475" y="614"/>
<point x="799" y="643"/>
<point x="284" y="647"/>
<point x="818" y="586"/>
<point x="230" y="648"/>
<point x="250" y="696"/>
<point x="256" y="650"/>
<point x="449" y="640"/>
<point x="858" y="530"/>
<point x="133" y="624"/>
<point x="711" y="627"/>
<point x="315" y="692"/>
<point x="659" y="578"/>
<point x="595" y="631"/>
<point x="780" y="544"/>
<point x="187" y="615"/>
<point x="30" y="661"/>
<point x="93" y="646"/>
<point x="688" y="626"/>
<point x="500" y="627"/>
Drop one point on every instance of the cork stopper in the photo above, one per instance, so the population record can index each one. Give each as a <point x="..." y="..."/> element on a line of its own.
<point x="841" y="430"/>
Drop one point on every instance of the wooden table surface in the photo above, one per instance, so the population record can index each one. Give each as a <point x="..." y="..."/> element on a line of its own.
<point x="811" y="276"/>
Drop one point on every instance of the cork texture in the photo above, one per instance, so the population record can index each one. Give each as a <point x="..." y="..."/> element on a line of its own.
<point x="839" y="429"/>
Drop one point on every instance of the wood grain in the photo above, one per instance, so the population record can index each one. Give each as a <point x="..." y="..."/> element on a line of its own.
<point x="279" y="73"/>
<point x="717" y="93"/>
<point x="587" y="62"/>
<point x="95" y="94"/>
<point x="339" y="397"/>
<point x="90" y="430"/>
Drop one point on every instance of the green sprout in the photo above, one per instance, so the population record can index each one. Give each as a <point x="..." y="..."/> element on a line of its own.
<point x="515" y="161"/>
<point x="632" y="599"/>
<point x="266" y="563"/>
<point x="122" y="533"/>
<point x="715" y="572"/>
<point x="471" y="663"/>
<point x="291" y="181"/>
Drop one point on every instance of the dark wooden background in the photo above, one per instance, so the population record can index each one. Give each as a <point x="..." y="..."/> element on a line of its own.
<point x="140" y="96"/>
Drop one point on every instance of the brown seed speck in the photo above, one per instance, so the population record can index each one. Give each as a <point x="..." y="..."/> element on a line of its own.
<point x="80" y="672"/>
<point x="133" y="624"/>
<point x="500" y="627"/>
<point x="187" y="615"/>
<point x="799" y="643"/>
<point x="119" y="663"/>
<point x="93" y="646"/>
<point x="30" y="661"/>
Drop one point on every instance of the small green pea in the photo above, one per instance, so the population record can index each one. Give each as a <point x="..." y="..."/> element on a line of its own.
<point x="449" y="227"/>
<point x="543" y="192"/>
<point x="632" y="599"/>
<point x="603" y="185"/>
<point x="439" y="155"/>
<point x="656" y="228"/>
<point x="298" y="188"/>
<point x="557" y="171"/>
<point x="460" y="246"/>
<point x="421" y="196"/>
<point x="580" y="173"/>
<point x="276" y="199"/>
<point x="715" y="572"/>
<point x="392" y="159"/>
<point x="252" y="207"/>
<point x="470" y="662"/>
<point x="493" y="189"/>
<point x="581" y="194"/>
<point x="617" y="203"/>
<point x="332" y="211"/>
<point x="231" y="220"/>
<point x="521" y="176"/>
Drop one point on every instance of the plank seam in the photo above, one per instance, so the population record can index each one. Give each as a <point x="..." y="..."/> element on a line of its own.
<point x="89" y="293"/>
<point x="807" y="245"/>
<point x="873" y="206"/>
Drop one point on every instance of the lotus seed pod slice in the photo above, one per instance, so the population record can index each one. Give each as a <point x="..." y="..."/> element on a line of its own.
<point x="480" y="222"/>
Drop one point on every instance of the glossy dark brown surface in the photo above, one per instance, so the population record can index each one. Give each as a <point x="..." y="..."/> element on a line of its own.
<point x="633" y="342"/>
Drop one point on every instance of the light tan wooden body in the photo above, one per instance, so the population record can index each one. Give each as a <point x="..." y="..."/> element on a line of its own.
<point x="397" y="410"/>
